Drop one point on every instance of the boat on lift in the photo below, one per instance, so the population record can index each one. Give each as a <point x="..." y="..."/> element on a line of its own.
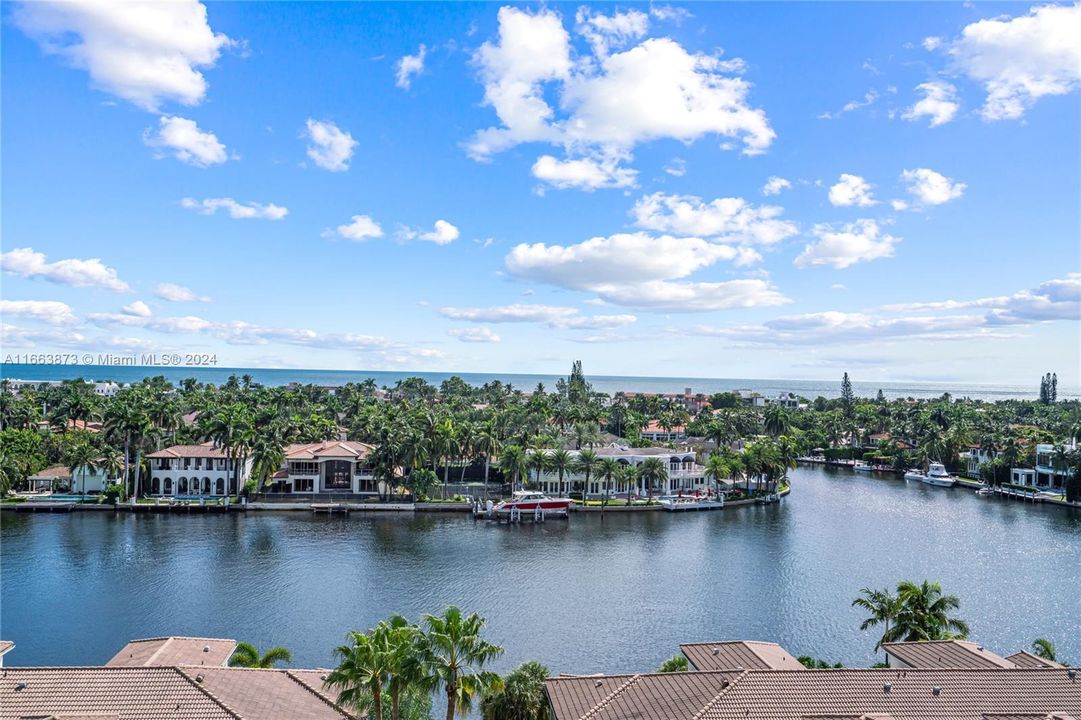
<point x="529" y="502"/>
<point x="936" y="475"/>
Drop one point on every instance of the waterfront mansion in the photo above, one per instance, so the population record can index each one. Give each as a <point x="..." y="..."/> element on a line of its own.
<point x="330" y="466"/>
<point x="194" y="470"/>
<point x="685" y="475"/>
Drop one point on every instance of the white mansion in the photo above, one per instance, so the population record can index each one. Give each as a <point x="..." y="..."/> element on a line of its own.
<point x="194" y="470"/>
<point x="685" y="475"/>
<point x="330" y="466"/>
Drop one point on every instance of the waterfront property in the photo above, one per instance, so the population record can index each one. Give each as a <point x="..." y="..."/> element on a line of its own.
<point x="761" y="681"/>
<point x="684" y="474"/>
<point x="331" y="466"/>
<point x="176" y="678"/>
<point x="195" y="470"/>
<point x="655" y="432"/>
<point x="84" y="480"/>
<point x="1052" y="474"/>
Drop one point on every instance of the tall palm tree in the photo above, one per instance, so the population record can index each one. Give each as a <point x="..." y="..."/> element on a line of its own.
<point x="401" y="644"/>
<point x="559" y="462"/>
<point x="487" y="443"/>
<point x="360" y="674"/>
<point x="652" y="471"/>
<point x="81" y="457"/>
<point x="455" y="655"/>
<point x="883" y="607"/>
<point x="925" y="614"/>
<point x="775" y="420"/>
<point x="587" y="463"/>
<point x="247" y="656"/>
<point x="231" y="428"/>
<point x="717" y="469"/>
<point x="514" y="464"/>
<point x="538" y="463"/>
<point x="608" y="469"/>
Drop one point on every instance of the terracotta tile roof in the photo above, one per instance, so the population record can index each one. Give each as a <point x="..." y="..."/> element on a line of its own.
<point x="649" y="696"/>
<point x="125" y="693"/>
<point x="174" y="651"/>
<point x="56" y="472"/>
<point x="252" y="693"/>
<point x="945" y="654"/>
<point x="161" y="693"/>
<point x="962" y="694"/>
<point x="327" y="449"/>
<point x="206" y="450"/>
<point x="5" y="645"/>
<point x="739" y="654"/>
<point x="1028" y="660"/>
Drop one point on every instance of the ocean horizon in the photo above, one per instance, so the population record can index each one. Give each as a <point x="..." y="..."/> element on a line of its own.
<point x="528" y="381"/>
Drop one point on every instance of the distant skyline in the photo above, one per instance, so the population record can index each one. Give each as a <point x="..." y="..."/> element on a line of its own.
<point x="703" y="190"/>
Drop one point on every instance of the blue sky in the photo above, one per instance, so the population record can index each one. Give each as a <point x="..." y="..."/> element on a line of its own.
<point x="300" y="185"/>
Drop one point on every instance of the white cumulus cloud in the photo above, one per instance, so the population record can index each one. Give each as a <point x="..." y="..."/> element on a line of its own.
<point x="851" y="190"/>
<point x="774" y="185"/>
<point x="91" y="272"/>
<point x="186" y="142"/>
<point x="553" y="316"/>
<point x="729" y="219"/>
<point x="137" y="308"/>
<point x="236" y="210"/>
<point x="144" y="52"/>
<point x="1020" y="60"/>
<point x="847" y="245"/>
<point x="358" y="229"/>
<point x="329" y="146"/>
<point x="939" y="103"/>
<point x="932" y="188"/>
<point x="583" y="173"/>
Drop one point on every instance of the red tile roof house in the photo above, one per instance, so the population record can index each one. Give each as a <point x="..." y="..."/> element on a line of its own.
<point x="194" y="471"/>
<point x="761" y="681"/>
<point x="168" y="679"/>
<point x="330" y="467"/>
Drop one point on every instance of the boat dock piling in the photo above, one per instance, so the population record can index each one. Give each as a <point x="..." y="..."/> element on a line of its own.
<point x="330" y="508"/>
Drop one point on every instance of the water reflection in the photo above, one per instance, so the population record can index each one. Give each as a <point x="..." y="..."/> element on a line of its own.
<point x="612" y="593"/>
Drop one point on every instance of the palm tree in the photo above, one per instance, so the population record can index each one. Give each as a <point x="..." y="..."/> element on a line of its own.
<point x="717" y="469"/>
<point x="1044" y="648"/>
<point x="454" y="657"/>
<point x="538" y="463"/>
<point x="487" y="443"/>
<point x="776" y="421"/>
<point x="401" y="644"/>
<point x="81" y="457"/>
<point x="608" y="469"/>
<point x="360" y="674"/>
<point x="231" y="429"/>
<point x="652" y="470"/>
<point x="883" y="606"/>
<point x="247" y="656"/>
<point x="560" y="462"/>
<point x="521" y="697"/>
<point x="925" y="614"/>
<point x="676" y="663"/>
<point x="587" y="464"/>
<point x="514" y="464"/>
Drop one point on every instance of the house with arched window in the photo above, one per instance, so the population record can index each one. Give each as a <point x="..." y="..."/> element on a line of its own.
<point x="194" y="471"/>
<point x="340" y="467"/>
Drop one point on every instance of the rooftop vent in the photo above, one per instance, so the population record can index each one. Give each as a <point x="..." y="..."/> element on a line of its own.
<point x="206" y="648"/>
<point x="20" y="686"/>
<point x="716" y="651"/>
<point x="936" y="691"/>
<point x="598" y="683"/>
<point x="323" y="677"/>
<point x="980" y="648"/>
<point x="199" y="678"/>
<point x="887" y="687"/>
<point x="1072" y="672"/>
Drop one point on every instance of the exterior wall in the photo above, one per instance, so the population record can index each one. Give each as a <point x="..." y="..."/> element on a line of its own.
<point x="213" y="476"/>
<point x="1046" y="473"/>
<point x="1023" y="476"/>
<point x="683" y="476"/>
<point x="305" y="480"/>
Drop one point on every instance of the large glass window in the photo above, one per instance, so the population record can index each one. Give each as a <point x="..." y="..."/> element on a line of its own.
<point x="337" y="476"/>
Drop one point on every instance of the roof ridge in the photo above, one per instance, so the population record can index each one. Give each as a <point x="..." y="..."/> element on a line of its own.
<point x="311" y="690"/>
<point x="611" y="696"/>
<point x="698" y="715"/>
<point x="199" y="686"/>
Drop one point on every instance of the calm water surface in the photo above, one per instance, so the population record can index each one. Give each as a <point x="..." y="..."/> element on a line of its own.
<point x="617" y="594"/>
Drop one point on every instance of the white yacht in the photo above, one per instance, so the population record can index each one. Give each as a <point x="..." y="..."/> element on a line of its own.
<point x="936" y="475"/>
